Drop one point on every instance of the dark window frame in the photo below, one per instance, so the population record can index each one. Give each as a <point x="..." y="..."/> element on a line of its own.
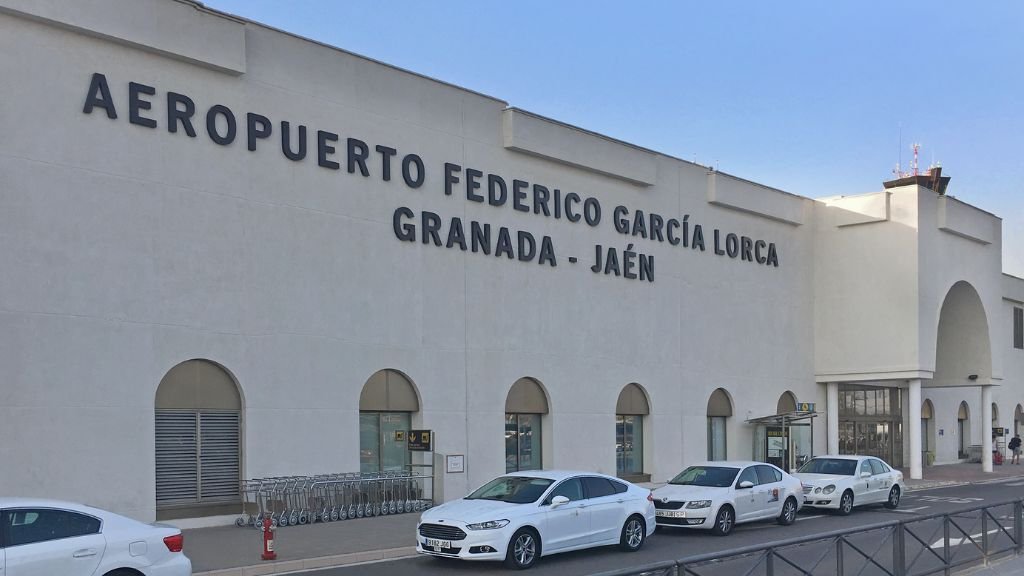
<point x="753" y="471"/>
<point x="586" y="480"/>
<point x="879" y="465"/>
<point x="1018" y="328"/>
<point x="5" y="524"/>
<point x="773" y="474"/>
<point x="551" y="495"/>
<point x="538" y="445"/>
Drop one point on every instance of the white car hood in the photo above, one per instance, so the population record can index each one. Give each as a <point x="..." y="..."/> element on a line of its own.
<point x="471" y="511"/>
<point x="687" y="493"/>
<point x="820" y="479"/>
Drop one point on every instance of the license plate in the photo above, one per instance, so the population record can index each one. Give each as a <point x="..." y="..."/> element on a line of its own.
<point x="670" y="513"/>
<point x="435" y="543"/>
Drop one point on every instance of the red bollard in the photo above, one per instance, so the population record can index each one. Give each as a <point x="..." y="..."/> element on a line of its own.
<point x="268" y="540"/>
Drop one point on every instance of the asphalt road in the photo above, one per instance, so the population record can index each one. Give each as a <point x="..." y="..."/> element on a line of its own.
<point x="669" y="544"/>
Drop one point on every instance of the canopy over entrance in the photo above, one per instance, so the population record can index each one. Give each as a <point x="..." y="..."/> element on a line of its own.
<point x="784" y="418"/>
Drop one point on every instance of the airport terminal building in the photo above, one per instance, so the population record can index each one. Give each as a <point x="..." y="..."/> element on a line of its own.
<point x="230" y="252"/>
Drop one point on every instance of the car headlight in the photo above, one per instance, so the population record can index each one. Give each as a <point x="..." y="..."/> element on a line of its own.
<point x="489" y="525"/>
<point x="817" y="490"/>
<point x="698" y="504"/>
<point x="829" y="489"/>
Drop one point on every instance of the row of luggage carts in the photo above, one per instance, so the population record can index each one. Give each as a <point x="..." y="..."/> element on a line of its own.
<point x="298" y="500"/>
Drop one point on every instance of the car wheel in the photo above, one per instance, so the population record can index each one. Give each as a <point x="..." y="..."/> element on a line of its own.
<point x="846" y="503"/>
<point x="523" y="549"/>
<point x="894" y="498"/>
<point x="788" y="515"/>
<point x="634" y="532"/>
<point x="725" y="520"/>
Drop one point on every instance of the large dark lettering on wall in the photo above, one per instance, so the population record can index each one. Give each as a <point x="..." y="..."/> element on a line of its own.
<point x="378" y="160"/>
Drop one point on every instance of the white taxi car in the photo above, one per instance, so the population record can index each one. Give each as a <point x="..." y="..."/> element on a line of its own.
<point x="718" y="495"/>
<point x="66" y="539"/>
<point x="522" y="516"/>
<point x="842" y="482"/>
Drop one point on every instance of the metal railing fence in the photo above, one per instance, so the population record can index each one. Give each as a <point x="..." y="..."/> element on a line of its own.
<point x="934" y="544"/>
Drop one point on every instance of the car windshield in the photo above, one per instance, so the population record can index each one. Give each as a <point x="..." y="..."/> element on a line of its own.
<point x="512" y="489"/>
<point x="716" y="476"/>
<point x="834" y="466"/>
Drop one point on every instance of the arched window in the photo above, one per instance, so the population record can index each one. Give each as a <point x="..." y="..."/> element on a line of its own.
<point x="786" y="403"/>
<point x="630" y="411"/>
<point x="386" y="405"/>
<point x="719" y="410"/>
<point x="963" y="425"/>
<point x="198" y="448"/>
<point x="525" y="405"/>
<point x="927" y="431"/>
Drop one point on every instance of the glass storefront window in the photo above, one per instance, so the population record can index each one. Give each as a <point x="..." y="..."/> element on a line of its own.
<point x="629" y="444"/>
<point x="871" y="422"/>
<point x="522" y="442"/>
<point x="924" y="435"/>
<point x="382" y="445"/>
<point x="801" y="444"/>
<point x="716" y="438"/>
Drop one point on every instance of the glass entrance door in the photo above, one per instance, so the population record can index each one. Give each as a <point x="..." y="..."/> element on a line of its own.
<point x="871" y="422"/>
<point x="382" y="445"/>
<point x="874" y="439"/>
<point x="878" y="439"/>
<point x="777" y="446"/>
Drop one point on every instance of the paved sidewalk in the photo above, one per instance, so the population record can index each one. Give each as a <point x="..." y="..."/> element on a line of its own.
<point x="232" y="551"/>
<point x="959" y="474"/>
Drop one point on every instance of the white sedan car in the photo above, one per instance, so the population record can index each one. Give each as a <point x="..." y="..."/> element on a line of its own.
<point x="842" y="482"/>
<point x="61" y="538"/>
<point x="718" y="495"/>
<point x="522" y="516"/>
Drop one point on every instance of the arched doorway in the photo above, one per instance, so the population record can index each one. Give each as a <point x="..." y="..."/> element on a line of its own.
<point x="386" y="405"/>
<point x="797" y="431"/>
<point x="198" y="411"/>
<point x="631" y="411"/>
<point x="963" y="355"/>
<point x="927" y="433"/>
<point x="963" y="358"/>
<point x="719" y="411"/>
<point x="525" y="407"/>
<point x="963" y="431"/>
<point x="785" y="438"/>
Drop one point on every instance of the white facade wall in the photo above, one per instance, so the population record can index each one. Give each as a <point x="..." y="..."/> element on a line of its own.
<point x="130" y="249"/>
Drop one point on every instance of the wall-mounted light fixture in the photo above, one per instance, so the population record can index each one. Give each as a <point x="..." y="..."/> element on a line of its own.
<point x="972" y="377"/>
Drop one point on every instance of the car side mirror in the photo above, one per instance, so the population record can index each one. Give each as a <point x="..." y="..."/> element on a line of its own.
<point x="865" y="474"/>
<point x="745" y="484"/>
<point x="558" y="501"/>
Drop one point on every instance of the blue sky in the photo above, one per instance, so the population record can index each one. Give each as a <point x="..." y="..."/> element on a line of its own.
<point x="809" y="97"/>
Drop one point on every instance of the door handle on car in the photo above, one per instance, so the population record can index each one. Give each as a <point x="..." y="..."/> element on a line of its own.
<point x="83" y="553"/>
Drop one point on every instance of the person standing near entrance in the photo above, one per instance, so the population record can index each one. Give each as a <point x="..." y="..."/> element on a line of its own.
<point x="1014" y="446"/>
